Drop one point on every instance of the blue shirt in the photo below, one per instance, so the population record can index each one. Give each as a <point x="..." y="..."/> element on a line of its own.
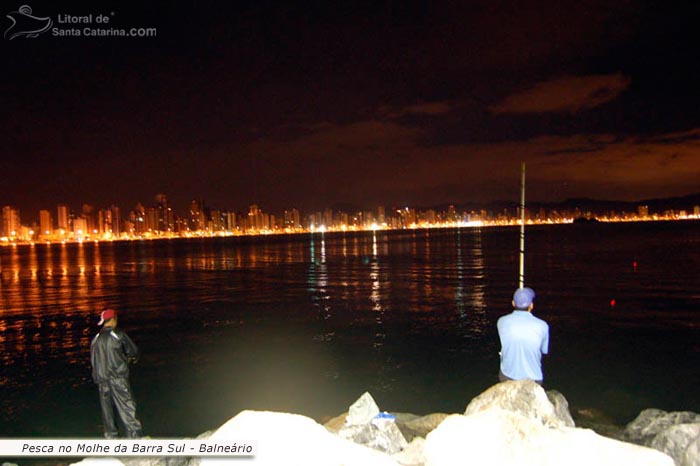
<point x="524" y="339"/>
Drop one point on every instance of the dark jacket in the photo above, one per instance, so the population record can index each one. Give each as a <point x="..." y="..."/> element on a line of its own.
<point x="111" y="351"/>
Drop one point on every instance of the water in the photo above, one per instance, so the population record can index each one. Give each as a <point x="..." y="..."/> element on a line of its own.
<point x="307" y="323"/>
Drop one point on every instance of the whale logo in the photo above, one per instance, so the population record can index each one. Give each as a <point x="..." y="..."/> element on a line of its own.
<point x="24" y="24"/>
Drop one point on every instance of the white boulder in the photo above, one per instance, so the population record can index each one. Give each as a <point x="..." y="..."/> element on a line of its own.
<point x="412" y="455"/>
<point x="680" y="442"/>
<point x="651" y="422"/>
<point x="98" y="462"/>
<point x="526" y="398"/>
<point x="496" y="437"/>
<point x="292" y="440"/>
<point x="362" y="411"/>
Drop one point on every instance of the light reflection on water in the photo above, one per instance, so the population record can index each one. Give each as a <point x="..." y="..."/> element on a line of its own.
<point x="311" y="321"/>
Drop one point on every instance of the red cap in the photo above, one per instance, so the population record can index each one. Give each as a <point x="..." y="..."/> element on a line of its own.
<point x="106" y="315"/>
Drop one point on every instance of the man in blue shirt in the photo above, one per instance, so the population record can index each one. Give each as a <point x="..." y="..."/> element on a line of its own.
<point x="524" y="339"/>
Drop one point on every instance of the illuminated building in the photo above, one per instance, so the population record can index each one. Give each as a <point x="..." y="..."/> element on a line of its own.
<point x="407" y="217"/>
<point x="327" y="217"/>
<point x="312" y="221"/>
<point x="451" y="214"/>
<point x="292" y="219"/>
<point x="116" y="221"/>
<point x="257" y="220"/>
<point x="80" y="228"/>
<point x="197" y="219"/>
<point x="45" y="224"/>
<point x="129" y="227"/>
<point x="104" y="221"/>
<point x="367" y="219"/>
<point x="344" y="218"/>
<point x="230" y="221"/>
<point x="152" y="219"/>
<point x="10" y="222"/>
<point x="181" y="225"/>
<point x="90" y="219"/>
<point x="137" y="217"/>
<point x="217" y="221"/>
<point x="165" y="218"/>
<point x="63" y="217"/>
<point x="643" y="211"/>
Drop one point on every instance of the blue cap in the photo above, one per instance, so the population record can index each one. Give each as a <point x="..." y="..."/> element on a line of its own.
<point x="523" y="297"/>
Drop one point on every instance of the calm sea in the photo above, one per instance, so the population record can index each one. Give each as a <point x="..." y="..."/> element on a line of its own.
<point x="307" y="323"/>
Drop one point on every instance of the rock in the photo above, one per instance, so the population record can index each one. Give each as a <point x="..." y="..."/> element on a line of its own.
<point x="419" y="426"/>
<point x="497" y="437"/>
<point x="98" y="462"/>
<point x="410" y="425"/>
<point x="524" y="397"/>
<point x="362" y="411"/>
<point x="335" y="424"/>
<point x="675" y="433"/>
<point x="204" y="435"/>
<point x="380" y="434"/>
<point x="293" y="440"/>
<point x="364" y="427"/>
<point x="592" y="418"/>
<point x="402" y="418"/>
<point x="561" y="407"/>
<point x="652" y="422"/>
<point x="139" y="461"/>
<point x="160" y="461"/>
<point x="412" y="455"/>
<point x="640" y="430"/>
<point x="691" y="457"/>
<point x="675" y="442"/>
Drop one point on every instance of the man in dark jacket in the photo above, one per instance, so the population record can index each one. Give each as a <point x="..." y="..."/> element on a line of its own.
<point x="111" y="352"/>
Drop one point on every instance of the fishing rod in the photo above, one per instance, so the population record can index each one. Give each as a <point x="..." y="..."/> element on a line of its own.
<point x="521" y="276"/>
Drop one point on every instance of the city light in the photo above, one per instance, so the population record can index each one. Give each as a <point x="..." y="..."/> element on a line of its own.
<point x="160" y="221"/>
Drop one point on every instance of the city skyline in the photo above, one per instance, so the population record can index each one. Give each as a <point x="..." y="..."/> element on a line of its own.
<point x="160" y="219"/>
<point x="410" y="103"/>
<point x="227" y="206"/>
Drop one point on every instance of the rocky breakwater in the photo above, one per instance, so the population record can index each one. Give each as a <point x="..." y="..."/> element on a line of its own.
<point x="676" y="434"/>
<point x="512" y="423"/>
<point x="518" y="423"/>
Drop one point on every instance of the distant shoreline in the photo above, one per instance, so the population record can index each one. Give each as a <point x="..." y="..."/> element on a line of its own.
<point x="4" y="242"/>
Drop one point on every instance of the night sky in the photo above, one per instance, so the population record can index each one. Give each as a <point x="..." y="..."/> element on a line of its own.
<point x="314" y="104"/>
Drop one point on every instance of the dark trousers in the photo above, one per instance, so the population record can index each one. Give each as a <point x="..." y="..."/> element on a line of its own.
<point x="504" y="378"/>
<point x="116" y="393"/>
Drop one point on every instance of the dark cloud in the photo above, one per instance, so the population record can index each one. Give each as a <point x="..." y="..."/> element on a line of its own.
<point x="423" y="108"/>
<point x="570" y="94"/>
<point x="365" y="161"/>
